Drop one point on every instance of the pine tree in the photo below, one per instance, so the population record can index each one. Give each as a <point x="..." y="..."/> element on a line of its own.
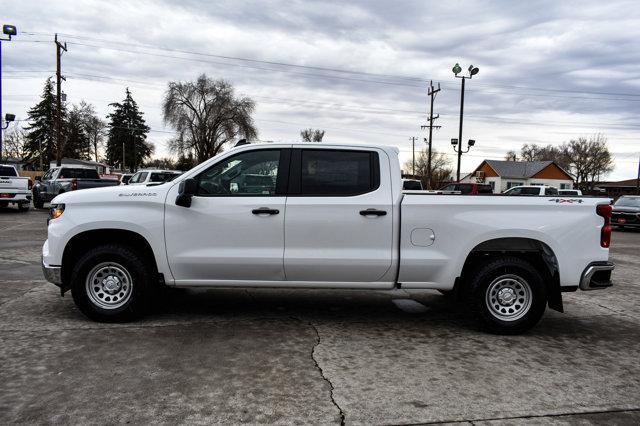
<point x="77" y="143"/>
<point x="127" y="127"/>
<point x="41" y="132"/>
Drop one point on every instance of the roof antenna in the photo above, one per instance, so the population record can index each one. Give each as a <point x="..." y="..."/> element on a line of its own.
<point x="242" y="142"/>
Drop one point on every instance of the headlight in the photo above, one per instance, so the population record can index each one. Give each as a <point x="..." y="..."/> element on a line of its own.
<point x="55" y="211"/>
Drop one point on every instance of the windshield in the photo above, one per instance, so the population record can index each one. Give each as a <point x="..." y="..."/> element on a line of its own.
<point x="628" y="202"/>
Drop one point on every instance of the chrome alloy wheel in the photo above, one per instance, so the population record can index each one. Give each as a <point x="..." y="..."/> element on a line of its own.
<point x="109" y="285"/>
<point x="508" y="297"/>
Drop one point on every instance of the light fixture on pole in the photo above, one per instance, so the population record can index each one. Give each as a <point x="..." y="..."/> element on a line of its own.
<point x="457" y="147"/>
<point x="472" y="71"/>
<point x="8" y="31"/>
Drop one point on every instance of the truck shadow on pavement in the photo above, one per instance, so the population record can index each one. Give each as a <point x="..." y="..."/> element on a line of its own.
<point x="426" y="310"/>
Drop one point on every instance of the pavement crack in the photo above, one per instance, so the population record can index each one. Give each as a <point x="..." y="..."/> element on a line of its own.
<point x="319" y="368"/>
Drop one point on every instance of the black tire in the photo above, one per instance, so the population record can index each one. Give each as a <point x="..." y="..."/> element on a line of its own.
<point x="23" y="207"/>
<point x="508" y="295"/>
<point x="37" y="201"/>
<point x="126" y="267"/>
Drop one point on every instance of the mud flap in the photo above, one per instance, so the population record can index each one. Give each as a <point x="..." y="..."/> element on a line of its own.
<point x="554" y="296"/>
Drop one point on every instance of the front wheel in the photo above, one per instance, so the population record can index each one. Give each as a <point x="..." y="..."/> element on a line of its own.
<point x="508" y="295"/>
<point x="111" y="283"/>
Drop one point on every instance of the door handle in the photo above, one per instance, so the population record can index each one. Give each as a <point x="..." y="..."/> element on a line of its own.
<point x="373" y="212"/>
<point x="264" y="210"/>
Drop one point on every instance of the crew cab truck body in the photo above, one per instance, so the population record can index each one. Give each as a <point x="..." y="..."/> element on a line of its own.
<point x="14" y="189"/>
<point x="59" y="180"/>
<point x="328" y="216"/>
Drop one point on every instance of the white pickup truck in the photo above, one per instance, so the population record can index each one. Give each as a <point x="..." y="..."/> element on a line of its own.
<point x="14" y="189"/>
<point x="323" y="216"/>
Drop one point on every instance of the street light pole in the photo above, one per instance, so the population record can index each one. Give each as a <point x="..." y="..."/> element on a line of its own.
<point x="460" y="129"/>
<point x="9" y="31"/>
<point x="472" y="71"/>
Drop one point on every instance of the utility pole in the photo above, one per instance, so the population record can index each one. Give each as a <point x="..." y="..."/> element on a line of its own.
<point x="60" y="48"/>
<point x="431" y="92"/>
<point x="413" y="152"/>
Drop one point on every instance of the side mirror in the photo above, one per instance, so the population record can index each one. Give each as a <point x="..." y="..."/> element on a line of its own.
<point x="186" y="190"/>
<point x="38" y="178"/>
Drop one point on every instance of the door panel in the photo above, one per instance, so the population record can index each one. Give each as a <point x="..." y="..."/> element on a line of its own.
<point x="327" y="239"/>
<point x="234" y="229"/>
<point x="221" y="239"/>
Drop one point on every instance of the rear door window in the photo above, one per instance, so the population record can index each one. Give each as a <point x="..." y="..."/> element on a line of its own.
<point x="530" y="191"/>
<point x="326" y="172"/>
<point x="552" y="191"/>
<point x="465" y="189"/>
<point x="485" y="189"/>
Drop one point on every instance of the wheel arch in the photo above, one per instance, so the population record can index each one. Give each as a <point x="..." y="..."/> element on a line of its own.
<point x="81" y="242"/>
<point x="534" y="251"/>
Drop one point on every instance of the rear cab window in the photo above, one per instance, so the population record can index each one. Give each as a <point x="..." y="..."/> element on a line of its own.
<point x="67" y="173"/>
<point x="8" y="171"/>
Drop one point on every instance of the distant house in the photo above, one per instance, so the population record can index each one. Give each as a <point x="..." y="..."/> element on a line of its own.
<point x="502" y="175"/>
<point x="623" y="187"/>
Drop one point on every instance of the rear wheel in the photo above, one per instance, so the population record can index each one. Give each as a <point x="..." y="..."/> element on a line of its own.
<point x="24" y="207"/>
<point x="508" y="295"/>
<point x="111" y="283"/>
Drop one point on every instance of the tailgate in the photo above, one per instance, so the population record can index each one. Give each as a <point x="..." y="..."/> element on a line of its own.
<point x="14" y="183"/>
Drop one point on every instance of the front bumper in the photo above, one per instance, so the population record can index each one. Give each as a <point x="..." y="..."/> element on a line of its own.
<point x="597" y="276"/>
<point x="53" y="274"/>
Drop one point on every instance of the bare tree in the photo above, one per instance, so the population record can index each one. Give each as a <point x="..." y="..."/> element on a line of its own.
<point x="588" y="159"/>
<point x="441" y="168"/>
<point x="207" y="115"/>
<point x="511" y="156"/>
<point x="15" y="144"/>
<point x="312" y="135"/>
<point x="535" y="152"/>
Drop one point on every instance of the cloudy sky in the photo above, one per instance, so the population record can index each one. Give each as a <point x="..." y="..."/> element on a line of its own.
<point x="549" y="71"/>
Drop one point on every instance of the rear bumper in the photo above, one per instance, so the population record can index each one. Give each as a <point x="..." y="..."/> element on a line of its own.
<point x="22" y="197"/>
<point x="597" y="276"/>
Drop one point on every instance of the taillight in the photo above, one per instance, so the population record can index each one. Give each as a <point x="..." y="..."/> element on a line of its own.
<point x="604" y="210"/>
<point x="30" y="184"/>
<point x="74" y="184"/>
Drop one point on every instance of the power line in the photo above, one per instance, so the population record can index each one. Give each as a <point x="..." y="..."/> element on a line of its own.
<point x="318" y="68"/>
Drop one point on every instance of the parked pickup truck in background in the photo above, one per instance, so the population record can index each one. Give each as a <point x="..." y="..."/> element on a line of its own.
<point x="327" y="216"/>
<point x="59" y="180"/>
<point x="14" y="189"/>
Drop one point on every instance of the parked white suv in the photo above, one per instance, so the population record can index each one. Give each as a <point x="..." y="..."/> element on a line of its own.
<point x="323" y="216"/>
<point x="531" y="190"/>
<point x="144" y="177"/>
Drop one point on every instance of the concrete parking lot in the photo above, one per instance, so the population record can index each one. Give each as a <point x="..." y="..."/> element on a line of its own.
<point x="310" y="357"/>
